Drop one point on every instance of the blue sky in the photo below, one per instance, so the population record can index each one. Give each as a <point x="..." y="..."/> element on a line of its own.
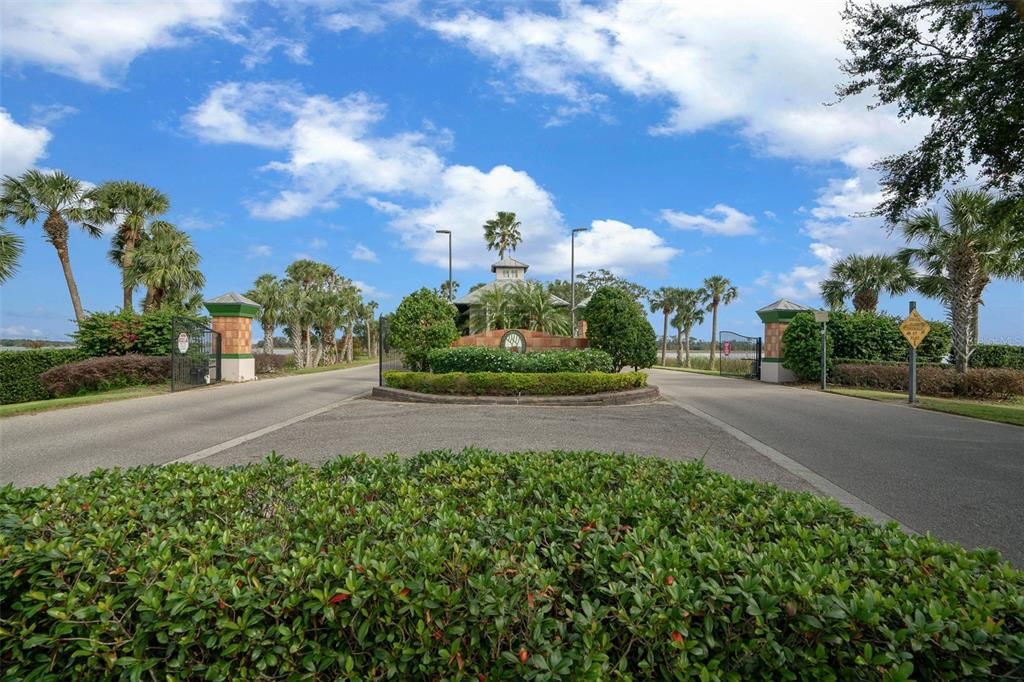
<point x="693" y="139"/>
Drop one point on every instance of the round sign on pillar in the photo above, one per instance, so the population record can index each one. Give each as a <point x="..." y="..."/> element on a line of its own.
<point x="513" y="340"/>
<point x="182" y="342"/>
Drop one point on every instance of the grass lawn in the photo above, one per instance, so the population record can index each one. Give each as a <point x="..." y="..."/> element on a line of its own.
<point x="1006" y="412"/>
<point x="88" y="399"/>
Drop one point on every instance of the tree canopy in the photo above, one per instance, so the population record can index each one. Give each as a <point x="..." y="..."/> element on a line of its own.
<point x="959" y="63"/>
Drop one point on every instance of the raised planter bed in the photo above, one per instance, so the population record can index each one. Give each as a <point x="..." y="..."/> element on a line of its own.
<point x="635" y="396"/>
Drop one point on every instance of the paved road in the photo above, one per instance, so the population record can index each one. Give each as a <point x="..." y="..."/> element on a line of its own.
<point x="961" y="479"/>
<point x="42" y="448"/>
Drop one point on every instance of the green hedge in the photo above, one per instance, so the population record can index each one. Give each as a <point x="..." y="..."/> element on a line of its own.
<point x="20" y="371"/>
<point x="510" y="383"/>
<point x="124" y="332"/>
<point x="482" y="565"/>
<point x="931" y="380"/>
<point x="998" y="355"/>
<point x="443" y="360"/>
<point x="104" y="374"/>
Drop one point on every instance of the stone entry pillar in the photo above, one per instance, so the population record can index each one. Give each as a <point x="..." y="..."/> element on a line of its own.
<point x="776" y="317"/>
<point x="232" y="318"/>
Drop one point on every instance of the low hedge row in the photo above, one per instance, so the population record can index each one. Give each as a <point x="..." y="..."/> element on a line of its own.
<point x="938" y="381"/>
<point x="20" y="370"/>
<point x="509" y="383"/>
<point x="444" y="360"/>
<point x="486" y="566"/>
<point x="101" y="374"/>
<point x="998" y="355"/>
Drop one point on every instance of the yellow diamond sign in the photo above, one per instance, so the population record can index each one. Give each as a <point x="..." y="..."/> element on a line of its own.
<point x="914" y="328"/>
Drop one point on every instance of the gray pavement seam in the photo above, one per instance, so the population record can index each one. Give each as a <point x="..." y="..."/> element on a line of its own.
<point x="234" y="442"/>
<point x="816" y="481"/>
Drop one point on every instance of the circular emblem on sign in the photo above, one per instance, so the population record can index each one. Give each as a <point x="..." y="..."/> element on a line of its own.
<point x="727" y="348"/>
<point x="514" y="341"/>
<point x="182" y="342"/>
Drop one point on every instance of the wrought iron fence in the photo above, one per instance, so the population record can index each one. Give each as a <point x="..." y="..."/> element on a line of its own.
<point x="195" y="354"/>
<point x="739" y="355"/>
<point x="388" y="356"/>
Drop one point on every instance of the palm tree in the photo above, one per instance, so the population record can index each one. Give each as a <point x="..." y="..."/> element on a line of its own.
<point x="268" y="293"/>
<point x="11" y="248"/>
<point x="369" y="313"/>
<point x="532" y="305"/>
<point x="167" y="264"/>
<point x="663" y="300"/>
<point x="494" y="310"/>
<point x="961" y="256"/>
<point x="717" y="291"/>
<point x="133" y="204"/>
<point x="688" y="315"/>
<point x="502" y="233"/>
<point x="59" y="199"/>
<point x="861" y="278"/>
<point x="295" y="314"/>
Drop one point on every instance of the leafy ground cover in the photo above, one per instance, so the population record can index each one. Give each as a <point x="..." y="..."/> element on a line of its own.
<point x="514" y="383"/>
<point x="1006" y="411"/>
<point x="479" y="565"/>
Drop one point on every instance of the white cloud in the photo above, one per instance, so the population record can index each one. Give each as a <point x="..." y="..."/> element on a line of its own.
<point x="258" y="251"/>
<point x="96" y="41"/>
<point x="368" y="17"/>
<point x="317" y="243"/>
<point x="331" y="151"/>
<point x="48" y="114"/>
<point x="364" y="253"/>
<point x="721" y="220"/>
<point x="610" y="244"/>
<point x="331" y="154"/>
<point x="369" y="290"/>
<point x="20" y="331"/>
<point x="22" y="146"/>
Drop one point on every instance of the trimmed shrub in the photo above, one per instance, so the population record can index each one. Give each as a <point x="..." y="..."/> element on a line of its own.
<point x="483" y="565"/>
<point x="20" y="370"/>
<point x="422" y="322"/>
<point x="472" y="359"/>
<point x="618" y="325"/>
<point x="801" y="347"/>
<point x="938" y="381"/>
<point x="510" y="383"/>
<point x="998" y="355"/>
<point x="124" y="332"/>
<point x="271" y="363"/>
<point x="101" y="374"/>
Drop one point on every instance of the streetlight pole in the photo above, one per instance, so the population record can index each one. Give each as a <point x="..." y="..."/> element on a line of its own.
<point x="572" y="277"/>
<point x="451" y="294"/>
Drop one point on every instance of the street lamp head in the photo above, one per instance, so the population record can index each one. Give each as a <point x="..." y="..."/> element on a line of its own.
<point x="580" y="229"/>
<point x="443" y="231"/>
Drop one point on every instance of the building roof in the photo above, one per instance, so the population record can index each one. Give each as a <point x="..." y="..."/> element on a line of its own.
<point x="473" y="297"/>
<point x="782" y="304"/>
<point x="508" y="263"/>
<point x="233" y="297"/>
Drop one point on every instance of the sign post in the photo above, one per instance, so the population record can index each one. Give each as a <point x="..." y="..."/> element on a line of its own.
<point x="914" y="328"/>
<point x="822" y="316"/>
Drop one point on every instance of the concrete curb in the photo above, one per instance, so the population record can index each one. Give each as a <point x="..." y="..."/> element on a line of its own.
<point x="636" y="396"/>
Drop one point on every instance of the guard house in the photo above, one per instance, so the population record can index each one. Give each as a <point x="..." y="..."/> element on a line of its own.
<point x="776" y="317"/>
<point x="507" y="273"/>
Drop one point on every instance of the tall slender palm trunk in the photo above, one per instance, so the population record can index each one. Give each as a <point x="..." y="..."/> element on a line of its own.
<point x="56" y="230"/>
<point x="679" y="346"/>
<point x="714" y="333"/>
<point x="127" y="258"/>
<point x="664" y="338"/>
<point x="268" y="339"/>
<point x="687" y="342"/>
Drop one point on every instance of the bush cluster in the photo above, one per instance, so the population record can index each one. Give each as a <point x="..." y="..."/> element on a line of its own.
<point x="510" y="383"/>
<point x="101" y="374"/>
<point x="480" y="565"/>
<point x="618" y="325"/>
<point x="20" y="370"/>
<point x="937" y="381"/>
<point x="998" y="355"/>
<point x="271" y="363"/>
<point x="424" y="320"/>
<point x="860" y="337"/>
<point x="471" y="359"/>
<point x="124" y="332"/>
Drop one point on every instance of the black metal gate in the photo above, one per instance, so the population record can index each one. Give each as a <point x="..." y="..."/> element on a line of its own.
<point x="388" y="356"/>
<point x="195" y="354"/>
<point x="739" y="355"/>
